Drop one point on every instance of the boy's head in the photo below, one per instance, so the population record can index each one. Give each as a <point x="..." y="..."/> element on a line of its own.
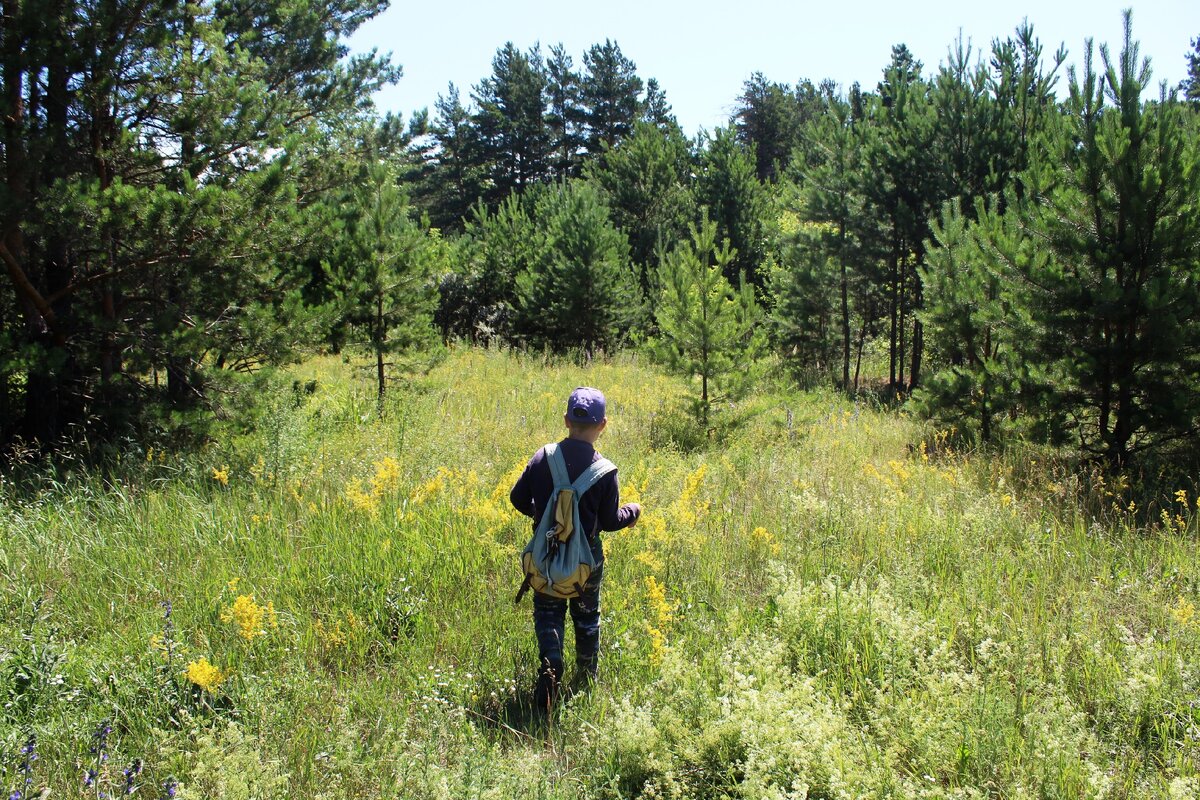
<point x="585" y="417"/>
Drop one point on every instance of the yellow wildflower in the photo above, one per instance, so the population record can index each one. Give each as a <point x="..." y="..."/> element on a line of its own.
<point x="760" y="537"/>
<point x="387" y="477"/>
<point x="248" y="616"/>
<point x="1181" y="497"/>
<point x="651" y="561"/>
<point x="656" y="596"/>
<point x="1184" y="611"/>
<point x="1006" y="500"/>
<point x="658" y="644"/>
<point x="221" y="475"/>
<point x="258" y="469"/>
<point x="900" y="470"/>
<point x="205" y="675"/>
<point x="359" y="499"/>
<point x="687" y="509"/>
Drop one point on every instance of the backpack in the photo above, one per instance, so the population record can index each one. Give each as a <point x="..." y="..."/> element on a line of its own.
<point x="558" y="559"/>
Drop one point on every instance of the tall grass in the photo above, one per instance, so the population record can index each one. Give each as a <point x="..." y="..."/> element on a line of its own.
<point x="821" y="600"/>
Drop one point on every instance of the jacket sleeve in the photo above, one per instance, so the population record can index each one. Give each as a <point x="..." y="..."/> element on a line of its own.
<point x="521" y="495"/>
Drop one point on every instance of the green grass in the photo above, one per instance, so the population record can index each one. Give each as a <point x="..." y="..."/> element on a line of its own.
<point x="814" y="604"/>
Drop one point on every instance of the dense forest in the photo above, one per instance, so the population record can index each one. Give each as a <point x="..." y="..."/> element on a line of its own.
<point x="195" y="190"/>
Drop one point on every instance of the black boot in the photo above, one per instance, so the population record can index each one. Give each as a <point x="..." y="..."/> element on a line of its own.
<point x="545" y="694"/>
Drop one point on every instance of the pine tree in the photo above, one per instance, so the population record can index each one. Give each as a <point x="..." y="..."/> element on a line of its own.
<point x="160" y="162"/>
<point x="515" y="142"/>
<point x="728" y="187"/>
<point x="1115" y="201"/>
<point x="903" y="185"/>
<point x="382" y="272"/>
<point x="479" y="303"/>
<point x="611" y="92"/>
<point x="977" y="314"/>
<point x="456" y="180"/>
<point x="656" y="110"/>
<point x="708" y="331"/>
<point x="832" y="195"/>
<point x="645" y="180"/>
<point x="580" y="292"/>
<point x="564" y="115"/>
<point x="767" y="119"/>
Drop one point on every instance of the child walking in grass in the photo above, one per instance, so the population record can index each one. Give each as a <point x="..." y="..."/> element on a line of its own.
<point x="599" y="510"/>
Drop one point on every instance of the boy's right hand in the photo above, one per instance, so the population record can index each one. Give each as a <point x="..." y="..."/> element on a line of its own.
<point x="636" y="508"/>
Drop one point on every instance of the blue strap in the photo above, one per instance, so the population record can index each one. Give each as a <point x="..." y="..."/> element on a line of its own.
<point x="593" y="473"/>
<point x="558" y="467"/>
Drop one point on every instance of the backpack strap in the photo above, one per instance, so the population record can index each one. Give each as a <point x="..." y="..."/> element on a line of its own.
<point x="558" y="467"/>
<point x="596" y="471"/>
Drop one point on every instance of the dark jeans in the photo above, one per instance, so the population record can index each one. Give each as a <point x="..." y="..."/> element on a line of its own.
<point x="549" y="617"/>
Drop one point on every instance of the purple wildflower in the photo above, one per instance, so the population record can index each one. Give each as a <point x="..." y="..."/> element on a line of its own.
<point x="131" y="772"/>
<point x="28" y="756"/>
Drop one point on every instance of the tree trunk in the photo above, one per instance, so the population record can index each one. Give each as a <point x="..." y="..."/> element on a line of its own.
<point x="918" y="345"/>
<point x="845" y="311"/>
<point x="862" y="338"/>
<point x="379" y="340"/>
<point x="900" y="340"/>
<point x="893" y="294"/>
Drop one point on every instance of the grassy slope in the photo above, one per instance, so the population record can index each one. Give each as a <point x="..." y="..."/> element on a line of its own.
<point x="814" y="607"/>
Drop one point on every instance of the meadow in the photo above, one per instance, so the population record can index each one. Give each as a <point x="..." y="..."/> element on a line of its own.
<point x="824" y="599"/>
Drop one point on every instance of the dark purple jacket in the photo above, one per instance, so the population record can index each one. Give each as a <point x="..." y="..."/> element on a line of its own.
<point x="600" y="507"/>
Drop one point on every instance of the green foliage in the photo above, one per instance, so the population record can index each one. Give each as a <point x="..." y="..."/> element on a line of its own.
<point x="610" y="94"/>
<point x="1114" y="201"/>
<point x="802" y="609"/>
<point x="706" y="329"/>
<point x="646" y="182"/>
<point x="804" y="291"/>
<point x="479" y="302"/>
<point x="160" y="163"/>
<point x="579" y="291"/>
<point x="977" y="318"/>
<point x="382" y="271"/>
<point x="728" y="187"/>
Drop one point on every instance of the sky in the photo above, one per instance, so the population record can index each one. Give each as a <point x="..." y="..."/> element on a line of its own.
<point x="703" y="51"/>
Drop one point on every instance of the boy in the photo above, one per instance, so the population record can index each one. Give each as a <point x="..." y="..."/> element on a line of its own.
<point x="599" y="510"/>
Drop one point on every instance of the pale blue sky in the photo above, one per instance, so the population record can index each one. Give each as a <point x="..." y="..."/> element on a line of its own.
<point x="702" y="51"/>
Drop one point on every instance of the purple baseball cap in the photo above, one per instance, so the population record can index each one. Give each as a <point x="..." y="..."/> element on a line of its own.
<point x="586" y="405"/>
